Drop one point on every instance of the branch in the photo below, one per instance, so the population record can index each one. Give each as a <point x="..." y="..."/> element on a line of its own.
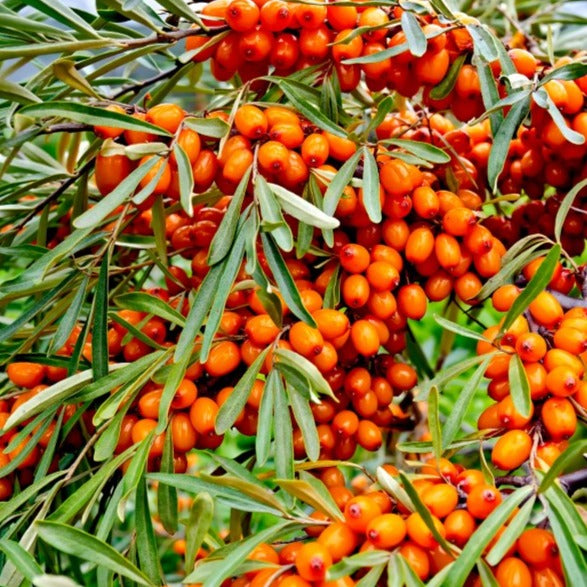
<point x="171" y="37"/>
<point x="137" y="87"/>
<point x="567" y="302"/>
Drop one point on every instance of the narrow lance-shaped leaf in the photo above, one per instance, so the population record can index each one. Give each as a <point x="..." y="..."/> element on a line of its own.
<point x="415" y="36"/>
<point x="564" y="208"/>
<point x="308" y="110"/>
<point x="434" y="422"/>
<point x="303" y="210"/>
<point x="198" y="312"/>
<point x="115" y="198"/>
<point x="482" y="536"/>
<point x="511" y="533"/>
<point x="69" y="319"/>
<point x="135" y="473"/>
<point x="210" y="127"/>
<point x="339" y="183"/>
<point x="303" y="416"/>
<point x="167" y="504"/>
<point x="265" y="422"/>
<point x="519" y="386"/>
<point x="144" y="302"/>
<point x="87" y="547"/>
<point x="461" y="406"/>
<point x="197" y="526"/>
<point x="445" y="87"/>
<point x="232" y="407"/>
<point x="100" y="324"/>
<point x="573" y="453"/>
<point x="90" y="115"/>
<point x="146" y="541"/>
<point x="231" y="269"/>
<point x="573" y="559"/>
<point x="65" y="70"/>
<point x="371" y="187"/>
<point x="20" y="558"/>
<point x="272" y="219"/>
<point x="284" y="280"/>
<point x="224" y="238"/>
<point x="284" y="455"/>
<point x="536" y="285"/>
<point x="501" y="141"/>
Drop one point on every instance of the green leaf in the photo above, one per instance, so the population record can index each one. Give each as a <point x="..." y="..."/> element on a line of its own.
<point x="415" y="36"/>
<point x="434" y="422"/>
<point x="186" y="179"/>
<point x="486" y="575"/>
<point x="384" y="107"/>
<point x="458" y="328"/>
<point x="272" y="219"/>
<point x="332" y="293"/>
<point x="120" y="374"/>
<point x="265" y="422"/>
<point x="146" y="541"/>
<point x="535" y="286"/>
<point x="305" y="421"/>
<point x="42" y="303"/>
<point x="227" y="567"/>
<point x="489" y="90"/>
<point x="65" y="15"/>
<point x="420" y="149"/>
<point x="395" y="574"/>
<point x="519" y="386"/>
<point x="197" y="526"/>
<point x="64" y="70"/>
<point x="564" y="208"/>
<point x="308" y="110"/>
<point x="448" y="374"/>
<point x="229" y="496"/>
<point x="306" y="369"/>
<point x="371" y="186"/>
<point x="423" y="511"/>
<point x="90" y="115"/>
<point x="180" y="8"/>
<point x="48" y="397"/>
<point x="70" y="318"/>
<point x="283" y="444"/>
<point x="371" y="579"/>
<point x="502" y="138"/>
<point x="462" y="567"/>
<point x="135" y="473"/>
<point x="339" y="183"/>
<point x="445" y="87"/>
<point x="198" y="312"/>
<point x="158" y="226"/>
<point x="93" y="216"/>
<point x="512" y="532"/>
<point x="412" y="580"/>
<point x="100" y="323"/>
<point x="173" y="379"/>
<point x="350" y="564"/>
<point x="461" y="406"/>
<point x="20" y="558"/>
<point x="78" y="543"/>
<point x="209" y="127"/>
<point x="568" y="71"/>
<point x="150" y="304"/>
<point x="284" y="280"/>
<point x="17" y="93"/>
<point x="232" y="407"/>
<point x="392" y="486"/>
<point x="543" y="99"/>
<point x="224" y="238"/>
<point x="573" y="559"/>
<point x="231" y="269"/>
<point x="69" y="508"/>
<point x="567" y="508"/>
<point x="166" y="494"/>
<point x="302" y="209"/>
<point x="566" y="459"/>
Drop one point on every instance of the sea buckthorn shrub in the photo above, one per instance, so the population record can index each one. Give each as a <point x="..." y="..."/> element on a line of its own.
<point x="294" y="294"/>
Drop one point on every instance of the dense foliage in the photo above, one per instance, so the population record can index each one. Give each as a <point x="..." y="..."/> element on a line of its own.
<point x="294" y="293"/>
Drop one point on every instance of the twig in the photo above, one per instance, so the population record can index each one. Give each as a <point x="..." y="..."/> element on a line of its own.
<point x="568" y="302"/>
<point x="136" y="88"/>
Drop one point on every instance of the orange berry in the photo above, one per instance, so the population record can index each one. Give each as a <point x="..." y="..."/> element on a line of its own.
<point x="312" y="561"/>
<point x="482" y="500"/>
<point x="511" y="450"/>
<point x="386" y="531"/>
